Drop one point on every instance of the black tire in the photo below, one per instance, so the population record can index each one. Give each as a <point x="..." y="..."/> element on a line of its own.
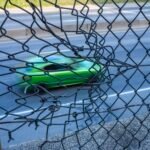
<point x="30" y="89"/>
<point x="93" y="79"/>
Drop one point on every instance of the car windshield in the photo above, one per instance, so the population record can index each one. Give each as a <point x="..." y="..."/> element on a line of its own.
<point x="57" y="67"/>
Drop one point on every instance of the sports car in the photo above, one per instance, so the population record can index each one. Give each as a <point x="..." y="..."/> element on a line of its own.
<point x="58" y="71"/>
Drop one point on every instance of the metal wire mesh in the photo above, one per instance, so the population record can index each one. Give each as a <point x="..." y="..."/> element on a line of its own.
<point x="109" y="109"/>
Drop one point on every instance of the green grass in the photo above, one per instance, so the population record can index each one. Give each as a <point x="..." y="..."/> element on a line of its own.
<point x="119" y="1"/>
<point x="23" y="3"/>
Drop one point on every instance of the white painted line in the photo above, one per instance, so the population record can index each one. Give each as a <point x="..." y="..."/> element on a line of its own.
<point x="80" y="101"/>
<point x="43" y="53"/>
<point x="51" y="52"/>
<point x="128" y="12"/>
<point x="113" y="95"/>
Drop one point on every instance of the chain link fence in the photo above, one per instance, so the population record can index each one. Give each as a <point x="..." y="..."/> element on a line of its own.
<point x="45" y="94"/>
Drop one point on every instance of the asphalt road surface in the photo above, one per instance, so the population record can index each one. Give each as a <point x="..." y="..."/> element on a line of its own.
<point x="132" y="86"/>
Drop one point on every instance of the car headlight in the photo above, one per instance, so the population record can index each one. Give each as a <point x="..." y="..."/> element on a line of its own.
<point x="26" y="78"/>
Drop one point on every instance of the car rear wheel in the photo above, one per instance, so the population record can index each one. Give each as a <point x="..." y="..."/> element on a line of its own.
<point x="30" y="89"/>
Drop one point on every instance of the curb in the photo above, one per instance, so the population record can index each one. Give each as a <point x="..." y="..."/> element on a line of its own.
<point x="101" y="27"/>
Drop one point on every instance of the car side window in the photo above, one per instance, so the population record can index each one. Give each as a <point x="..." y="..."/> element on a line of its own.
<point x="57" y="67"/>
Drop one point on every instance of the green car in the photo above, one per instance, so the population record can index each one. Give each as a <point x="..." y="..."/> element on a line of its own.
<point x="57" y="71"/>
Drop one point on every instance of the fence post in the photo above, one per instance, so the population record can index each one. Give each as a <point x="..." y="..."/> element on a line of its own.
<point x="0" y="146"/>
